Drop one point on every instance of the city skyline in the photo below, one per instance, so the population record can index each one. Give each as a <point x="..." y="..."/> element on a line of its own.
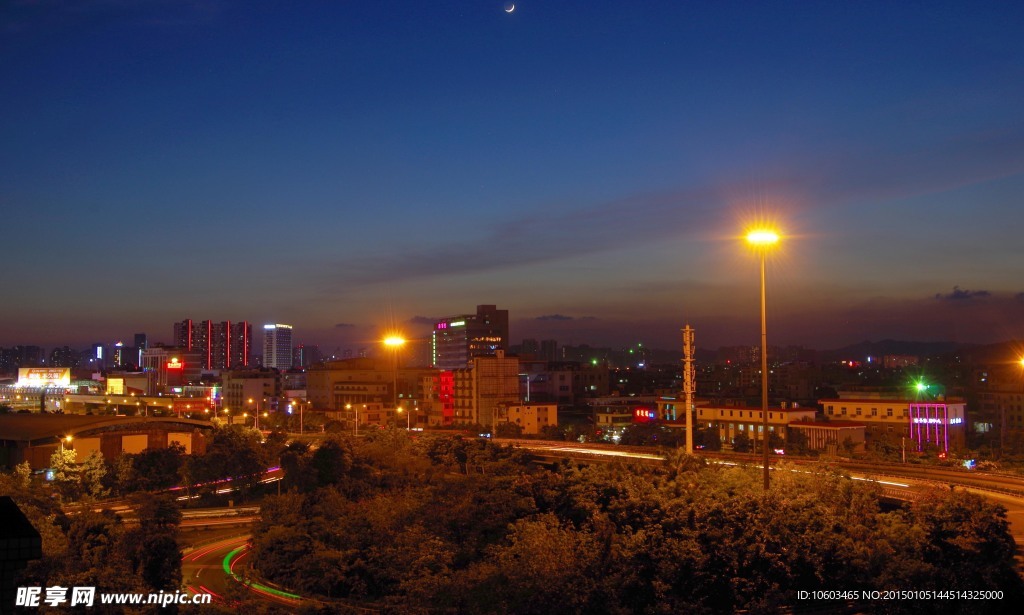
<point x="591" y="167"/>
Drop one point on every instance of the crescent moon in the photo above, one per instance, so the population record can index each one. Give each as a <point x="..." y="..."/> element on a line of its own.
<point x="510" y="8"/>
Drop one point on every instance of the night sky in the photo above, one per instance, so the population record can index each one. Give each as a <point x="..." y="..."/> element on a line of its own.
<point x="346" y="167"/>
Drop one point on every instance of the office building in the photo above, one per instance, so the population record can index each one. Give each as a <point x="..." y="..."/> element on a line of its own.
<point x="277" y="346"/>
<point x="458" y="339"/>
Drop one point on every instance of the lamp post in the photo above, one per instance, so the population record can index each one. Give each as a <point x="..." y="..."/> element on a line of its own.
<point x="762" y="239"/>
<point x="395" y="342"/>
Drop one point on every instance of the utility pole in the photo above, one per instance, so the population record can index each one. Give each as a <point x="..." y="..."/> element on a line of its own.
<point x="688" y="385"/>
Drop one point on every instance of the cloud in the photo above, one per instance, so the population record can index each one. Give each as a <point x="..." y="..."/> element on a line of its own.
<point x="423" y="320"/>
<point x="344" y="325"/>
<point x="1019" y="296"/>
<point x="960" y="294"/>
<point x="558" y="234"/>
<point x="551" y="231"/>
<point x="563" y="317"/>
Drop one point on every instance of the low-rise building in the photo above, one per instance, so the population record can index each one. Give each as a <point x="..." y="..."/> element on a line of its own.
<point x="935" y="423"/>
<point x="35" y="437"/>
<point x="732" y="421"/>
<point x="532" y="418"/>
<point x="833" y="437"/>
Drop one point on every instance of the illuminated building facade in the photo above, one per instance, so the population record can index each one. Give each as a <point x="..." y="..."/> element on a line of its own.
<point x="167" y="368"/>
<point x="532" y="418"/>
<point x="277" y="346"/>
<point x="222" y="345"/>
<point x="458" y="339"/>
<point x="732" y="421"/>
<point x="481" y="388"/>
<point x="936" y="423"/>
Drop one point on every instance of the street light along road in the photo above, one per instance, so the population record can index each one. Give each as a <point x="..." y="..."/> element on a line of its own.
<point x="395" y="342"/>
<point x="762" y="239"/>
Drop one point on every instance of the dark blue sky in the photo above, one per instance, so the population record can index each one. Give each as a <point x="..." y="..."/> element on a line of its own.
<point x="348" y="166"/>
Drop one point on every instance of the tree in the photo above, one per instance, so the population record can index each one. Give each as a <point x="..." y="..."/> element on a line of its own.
<point x="508" y="430"/>
<point x="331" y="462"/>
<point x="92" y="471"/>
<point x="23" y="474"/>
<point x="797" y="442"/>
<point x="741" y="443"/>
<point x="233" y="452"/>
<point x="152" y="547"/>
<point x="710" y="438"/>
<point x="66" y="473"/>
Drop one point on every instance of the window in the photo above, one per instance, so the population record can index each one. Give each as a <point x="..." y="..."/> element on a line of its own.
<point x="858" y="411"/>
<point x="888" y="411"/>
<point x="874" y="412"/>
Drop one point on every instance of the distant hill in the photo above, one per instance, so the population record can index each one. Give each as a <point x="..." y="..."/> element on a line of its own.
<point x="861" y="351"/>
<point x="970" y="353"/>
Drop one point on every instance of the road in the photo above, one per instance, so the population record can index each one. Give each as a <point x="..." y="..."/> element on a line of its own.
<point x="214" y="567"/>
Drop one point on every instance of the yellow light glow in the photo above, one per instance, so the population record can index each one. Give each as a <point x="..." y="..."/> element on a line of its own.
<point x="762" y="237"/>
<point x="394" y="341"/>
<point x="68" y="438"/>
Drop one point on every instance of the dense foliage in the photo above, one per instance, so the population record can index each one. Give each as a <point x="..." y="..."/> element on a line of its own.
<point x="465" y="526"/>
<point x="99" y="549"/>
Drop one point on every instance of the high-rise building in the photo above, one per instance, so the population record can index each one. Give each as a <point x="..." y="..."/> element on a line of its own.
<point x="223" y="345"/>
<point x="240" y="345"/>
<point x="183" y="332"/>
<point x="306" y="355"/>
<point x="277" y="346"/>
<point x="458" y="339"/>
<point x="141" y="343"/>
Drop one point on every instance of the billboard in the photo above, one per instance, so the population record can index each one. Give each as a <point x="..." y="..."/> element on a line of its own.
<point x="44" y="376"/>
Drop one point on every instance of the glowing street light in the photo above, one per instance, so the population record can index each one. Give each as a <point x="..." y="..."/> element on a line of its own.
<point x="762" y="239"/>
<point x="395" y="342"/>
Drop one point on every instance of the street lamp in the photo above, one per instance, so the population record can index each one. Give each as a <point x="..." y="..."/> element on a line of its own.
<point x="63" y="440"/>
<point x="762" y="239"/>
<point x="396" y="342"/>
